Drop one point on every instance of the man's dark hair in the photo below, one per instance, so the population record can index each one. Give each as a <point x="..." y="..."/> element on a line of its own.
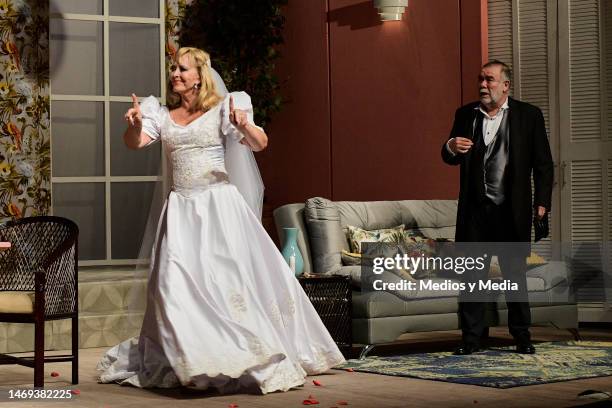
<point x="506" y="71"/>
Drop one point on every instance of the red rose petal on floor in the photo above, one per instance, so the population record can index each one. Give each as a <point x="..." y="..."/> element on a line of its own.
<point x="54" y="374"/>
<point x="350" y="370"/>
<point x="317" y="383"/>
<point x="75" y="392"/>
<point x="342" y="403"/>
<point x="232" y="406"/>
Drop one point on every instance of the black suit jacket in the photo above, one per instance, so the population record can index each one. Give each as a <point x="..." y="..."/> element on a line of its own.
<point x="529" y="153"/>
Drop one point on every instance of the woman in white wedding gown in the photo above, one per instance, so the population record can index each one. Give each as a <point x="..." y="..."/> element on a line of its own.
<point x="223" y="308"/>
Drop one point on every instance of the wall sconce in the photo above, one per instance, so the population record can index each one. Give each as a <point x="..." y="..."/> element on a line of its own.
<point x="390" y="10"/>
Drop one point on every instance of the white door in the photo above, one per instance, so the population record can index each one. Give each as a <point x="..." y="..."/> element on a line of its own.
<point x="586" y="145"/>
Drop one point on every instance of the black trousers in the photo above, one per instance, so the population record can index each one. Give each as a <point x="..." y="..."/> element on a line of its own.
<point x="492" y="227"/>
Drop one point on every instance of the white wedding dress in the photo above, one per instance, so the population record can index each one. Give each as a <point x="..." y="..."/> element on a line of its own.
<point x="223" y="308"/>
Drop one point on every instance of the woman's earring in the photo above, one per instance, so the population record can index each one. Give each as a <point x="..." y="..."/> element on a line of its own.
<point x="196" y="86"/>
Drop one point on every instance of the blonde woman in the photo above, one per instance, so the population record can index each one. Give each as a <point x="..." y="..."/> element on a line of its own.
<point x="223" y="308"/>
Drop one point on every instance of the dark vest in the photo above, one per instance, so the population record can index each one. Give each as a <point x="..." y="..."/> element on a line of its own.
<point x="489" y="163"/>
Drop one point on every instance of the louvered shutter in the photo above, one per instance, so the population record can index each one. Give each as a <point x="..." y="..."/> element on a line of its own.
<point x="534" y="78"/>
<point x="586" y="229"/>
<point x="607" y="119"/>
<point x="570" y="40"/>
<point x="583" y="147"/>
<point x="584" y="59"/>
<point x="528" y="18"/>
<point x="500" y="32"/>
<point x="607" y="45"/>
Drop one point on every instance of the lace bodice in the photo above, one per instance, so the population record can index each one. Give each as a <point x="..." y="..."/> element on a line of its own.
<point x="196" y="151"/>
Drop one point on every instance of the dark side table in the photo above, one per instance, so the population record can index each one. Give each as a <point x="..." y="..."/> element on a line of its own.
<point x="331" y="297"/>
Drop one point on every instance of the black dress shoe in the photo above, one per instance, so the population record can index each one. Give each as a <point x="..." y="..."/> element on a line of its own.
<point x="466" y="349"/>
<point x="525" y="348"/>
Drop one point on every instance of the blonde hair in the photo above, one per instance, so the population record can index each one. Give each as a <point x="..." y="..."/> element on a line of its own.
<point x="208" y="95"/>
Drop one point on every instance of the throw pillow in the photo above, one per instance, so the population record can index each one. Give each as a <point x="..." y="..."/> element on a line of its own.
<point x="494" y="269"/>
<point x="416" y="245"/>
<point x="535" y="259"/>
<point x="350" y="258"/>
<point x="358" y="235"/>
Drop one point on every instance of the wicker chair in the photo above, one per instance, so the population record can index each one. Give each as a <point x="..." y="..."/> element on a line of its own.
<point x="38" y="282"/>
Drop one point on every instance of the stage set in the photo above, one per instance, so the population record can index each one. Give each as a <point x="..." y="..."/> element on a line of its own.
<point x="193" y="227"/>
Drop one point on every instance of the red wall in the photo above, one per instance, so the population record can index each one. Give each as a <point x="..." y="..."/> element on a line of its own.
<point x="369" y="104"/>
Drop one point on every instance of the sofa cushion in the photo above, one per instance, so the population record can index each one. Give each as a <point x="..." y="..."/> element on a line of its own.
<point x="350" y="258"/>
<point x="419" y="214"/>
<point x="551" y="275"/>
<point x="547" y="284"/>
<point x="356" y="236"/>
<point x="325" y="234"/>
<point x="327" y="223"/>
<point x="354" y="271"/>
<point x="16" y="302"/>
<point x="438" y="232"/>
<point x="384" y="304"/>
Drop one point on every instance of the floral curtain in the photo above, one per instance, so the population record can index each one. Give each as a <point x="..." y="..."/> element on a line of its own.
<point x="25" y="155"/>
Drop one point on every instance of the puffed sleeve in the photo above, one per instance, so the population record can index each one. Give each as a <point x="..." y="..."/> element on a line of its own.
<point x="151" y="117"/>
<point x="242" y="101"/>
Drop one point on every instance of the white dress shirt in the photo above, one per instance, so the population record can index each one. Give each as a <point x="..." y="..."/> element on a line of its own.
<point x="490" y="124"/>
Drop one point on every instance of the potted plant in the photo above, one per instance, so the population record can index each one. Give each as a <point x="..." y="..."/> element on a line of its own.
<point x="242" y="39"/>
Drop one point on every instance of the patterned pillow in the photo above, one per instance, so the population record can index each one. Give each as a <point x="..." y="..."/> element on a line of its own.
<point x="413" y="235"/>
<point x="358" y="235"/>
<point x="350" y="258"/>
<point x="418" y="245"/>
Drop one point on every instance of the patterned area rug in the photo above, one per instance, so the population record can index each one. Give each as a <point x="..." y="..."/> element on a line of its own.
<point x="499" y="367"/>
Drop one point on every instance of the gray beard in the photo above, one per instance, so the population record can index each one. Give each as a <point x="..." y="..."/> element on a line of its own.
<point x="492" y="104"/>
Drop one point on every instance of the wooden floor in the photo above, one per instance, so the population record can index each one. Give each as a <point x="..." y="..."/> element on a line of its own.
<point x="356" y="389"/>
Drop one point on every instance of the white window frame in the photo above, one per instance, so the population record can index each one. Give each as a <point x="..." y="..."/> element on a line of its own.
<point x="107" y="179"/>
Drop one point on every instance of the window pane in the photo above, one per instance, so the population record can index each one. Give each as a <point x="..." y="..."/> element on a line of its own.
<point x="129" y="162"/>
<point x="134" y="59"/>
<point x="84" y="204"/>
<point x="130" y="203"/>
<point x="76" y="57"/>
<point x="76" y="6"/>
<point x="134" y="8"/>
<point x="77" y="133"/>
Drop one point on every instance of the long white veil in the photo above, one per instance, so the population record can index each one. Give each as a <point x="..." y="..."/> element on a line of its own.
<point x="240" y="163"/>
<point x="243" y="173"/>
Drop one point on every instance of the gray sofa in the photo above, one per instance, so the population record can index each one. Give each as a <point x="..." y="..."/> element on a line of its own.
<point x="381" y="317"/>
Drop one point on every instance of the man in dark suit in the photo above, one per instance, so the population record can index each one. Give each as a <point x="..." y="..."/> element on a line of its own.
<point x="498" y="142"/>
